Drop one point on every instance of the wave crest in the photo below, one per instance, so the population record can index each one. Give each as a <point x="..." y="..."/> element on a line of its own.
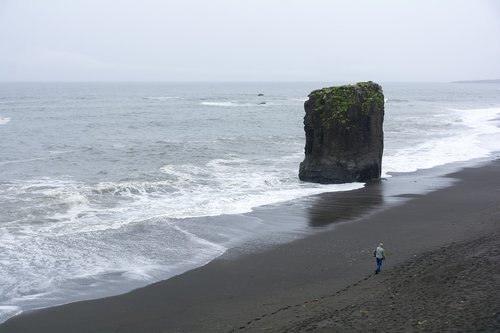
<point x="162" y="98"/>
<point x="233" y="104"/>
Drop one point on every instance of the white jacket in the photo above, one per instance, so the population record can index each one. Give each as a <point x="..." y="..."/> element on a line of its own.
<point x="379" y="252"/>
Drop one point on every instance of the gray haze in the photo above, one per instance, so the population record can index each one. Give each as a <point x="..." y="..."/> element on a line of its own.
<point x="258" y="40"/>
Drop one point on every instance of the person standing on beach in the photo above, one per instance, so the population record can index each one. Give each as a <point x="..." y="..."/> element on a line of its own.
<point x="379" y="257"/>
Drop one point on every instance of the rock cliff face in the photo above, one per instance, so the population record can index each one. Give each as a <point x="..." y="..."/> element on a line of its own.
<point x="344" y="134"/>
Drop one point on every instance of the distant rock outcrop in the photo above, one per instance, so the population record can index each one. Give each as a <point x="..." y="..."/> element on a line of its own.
<point x="478" y="81"/>
<point x="344" y="134"/>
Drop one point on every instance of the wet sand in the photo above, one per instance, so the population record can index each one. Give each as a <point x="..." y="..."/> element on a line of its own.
<point x="441" y="273"/>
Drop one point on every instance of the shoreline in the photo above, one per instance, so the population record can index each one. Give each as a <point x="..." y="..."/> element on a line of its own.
<point x="229" y="291"/>
<point x="298" y="223"/>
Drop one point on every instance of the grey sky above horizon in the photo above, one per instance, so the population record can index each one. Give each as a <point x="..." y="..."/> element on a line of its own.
<point x="258" y="40"/>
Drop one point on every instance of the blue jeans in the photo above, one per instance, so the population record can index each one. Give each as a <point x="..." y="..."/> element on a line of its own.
<point x="379" y="264"/>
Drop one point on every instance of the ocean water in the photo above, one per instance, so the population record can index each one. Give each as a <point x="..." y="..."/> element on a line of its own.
<point x="105" y="187"/>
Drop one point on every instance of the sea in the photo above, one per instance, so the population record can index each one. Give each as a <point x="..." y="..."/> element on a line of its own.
<point x="106" y="187"/>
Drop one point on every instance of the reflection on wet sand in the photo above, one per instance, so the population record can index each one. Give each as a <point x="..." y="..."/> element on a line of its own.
<point x="336" y="207"/>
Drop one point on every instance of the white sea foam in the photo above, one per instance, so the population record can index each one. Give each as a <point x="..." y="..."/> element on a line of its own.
<point x="22" y="161"/>
<point x="481" y="120"/>
<point x="463" y="144"/>
<point x="162" y="98"/>
<point x="199" y="240"/>
<point x="231" y="104"/>
<point x="4" y="120"/>
<point x="395" y="100"/>
<point x="7" y="311"/>
<point x="222" y="186"/>
<point x="235" y="187"/>
<point x="55" y="255"/>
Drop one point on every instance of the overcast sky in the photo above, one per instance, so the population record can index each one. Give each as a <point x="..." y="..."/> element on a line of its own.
<point x="243" y="40"/>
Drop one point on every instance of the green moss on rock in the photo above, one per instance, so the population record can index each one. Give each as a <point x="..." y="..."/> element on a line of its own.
<point x="334" y="103"/>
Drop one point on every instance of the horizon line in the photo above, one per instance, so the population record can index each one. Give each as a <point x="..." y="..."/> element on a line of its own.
<point x="238" y="81"/>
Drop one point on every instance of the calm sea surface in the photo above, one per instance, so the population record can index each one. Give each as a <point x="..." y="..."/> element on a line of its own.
<point x="123" y="184"/>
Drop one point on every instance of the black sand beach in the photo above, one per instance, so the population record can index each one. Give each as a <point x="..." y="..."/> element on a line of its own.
<point x="441" y="274"/>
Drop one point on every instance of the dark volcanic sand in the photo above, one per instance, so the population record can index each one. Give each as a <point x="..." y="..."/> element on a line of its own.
<point x="441" y="275"/>
<point x="452" y="289"/>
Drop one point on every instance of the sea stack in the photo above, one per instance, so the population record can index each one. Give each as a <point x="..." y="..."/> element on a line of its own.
<point x="344" y="134"/>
